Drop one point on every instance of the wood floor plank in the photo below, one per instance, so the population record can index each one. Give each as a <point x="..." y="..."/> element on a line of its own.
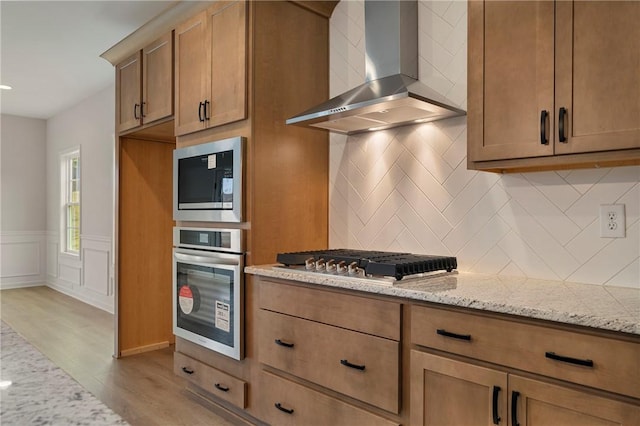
<point x="79" y="339"/>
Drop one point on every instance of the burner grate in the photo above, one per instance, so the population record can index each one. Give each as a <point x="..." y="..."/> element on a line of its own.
<point x="397" y="265"/>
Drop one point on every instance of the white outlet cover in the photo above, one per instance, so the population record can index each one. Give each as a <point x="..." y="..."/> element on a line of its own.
<point x="612" y="221"/>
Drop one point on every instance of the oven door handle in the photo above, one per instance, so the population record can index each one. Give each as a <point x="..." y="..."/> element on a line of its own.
<point x="211" y="260"/>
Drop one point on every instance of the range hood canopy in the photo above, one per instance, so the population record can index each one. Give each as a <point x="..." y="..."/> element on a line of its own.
<point x="391" y="96"/>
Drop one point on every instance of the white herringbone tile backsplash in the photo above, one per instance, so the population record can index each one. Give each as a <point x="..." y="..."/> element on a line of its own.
<point x="408" y="189"/>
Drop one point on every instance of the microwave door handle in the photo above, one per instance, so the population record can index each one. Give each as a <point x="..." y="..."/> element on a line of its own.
<point x="205" y="259"/>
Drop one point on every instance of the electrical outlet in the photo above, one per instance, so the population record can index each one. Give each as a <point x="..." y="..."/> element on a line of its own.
<point x="612" y="221"/>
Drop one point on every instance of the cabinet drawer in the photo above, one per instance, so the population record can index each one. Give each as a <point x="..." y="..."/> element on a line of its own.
<point x="544" y="350"/>
<point x="299" y="405"/>
<point x="370" y="316"/>
<point x="362" y="366"/>
<point x="210" y="379"/>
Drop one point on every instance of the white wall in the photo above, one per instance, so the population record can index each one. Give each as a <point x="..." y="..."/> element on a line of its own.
<point x="408" y="189"/>
<point x="90" y="125"/>
<point x="22" y="201"/>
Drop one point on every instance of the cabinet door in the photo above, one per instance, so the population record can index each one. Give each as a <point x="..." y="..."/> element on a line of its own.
<point x="598" y="74"/>
<point x="192" y="73"/>
<point x="157" y="79"/>
<point x="511" y="82"/>
<point x="448" y="392"/>
<point x="128" y="81"/>
<point x="539" y="403"/>
<point x="228" y="66"/>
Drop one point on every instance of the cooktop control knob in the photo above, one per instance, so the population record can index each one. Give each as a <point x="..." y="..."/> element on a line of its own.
<point x="320" y="265"/>
<point x="331" y="266"/>
<point x="341" y="267"/>
<point x="310" y="264"/>
<point x="353" y="268"/>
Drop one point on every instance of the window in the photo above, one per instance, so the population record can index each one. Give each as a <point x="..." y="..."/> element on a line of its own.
<point x="70" y="191"/>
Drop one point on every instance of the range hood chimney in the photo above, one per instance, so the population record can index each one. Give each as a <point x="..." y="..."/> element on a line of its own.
<point x="392" y="96"/>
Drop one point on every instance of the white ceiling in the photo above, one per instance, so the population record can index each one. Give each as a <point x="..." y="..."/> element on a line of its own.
<point x="50" y="50"/>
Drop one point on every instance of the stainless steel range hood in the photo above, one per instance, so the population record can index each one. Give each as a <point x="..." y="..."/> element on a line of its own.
<point x="391" y="96"/>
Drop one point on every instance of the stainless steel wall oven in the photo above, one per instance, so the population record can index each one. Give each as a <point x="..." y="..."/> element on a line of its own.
<point x="208" y="288"/>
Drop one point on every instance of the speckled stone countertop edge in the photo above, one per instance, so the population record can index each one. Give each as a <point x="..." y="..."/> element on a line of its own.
<point x="573" y="303"/>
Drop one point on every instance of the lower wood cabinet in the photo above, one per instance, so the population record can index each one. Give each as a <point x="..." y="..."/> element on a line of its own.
<point x="358" y="365"/>
<point x="448" y="392"/>
<point x="284" y="402"/>
<point x="212" y="380"/>
<point x="451" y="392"/>
<point x="537" y="403"/>
<point x="328" y="358"/>
<point x="473" y="369"/>
<point x="599" y="361"/>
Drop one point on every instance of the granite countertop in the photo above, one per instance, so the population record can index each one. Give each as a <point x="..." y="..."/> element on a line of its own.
<point x="603" y="307"/>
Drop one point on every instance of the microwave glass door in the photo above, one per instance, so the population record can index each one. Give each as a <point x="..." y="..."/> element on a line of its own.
<point x="206" y="182"/>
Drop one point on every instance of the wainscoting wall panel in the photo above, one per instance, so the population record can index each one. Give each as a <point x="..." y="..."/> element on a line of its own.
<point x="22" y="259"/>
<point x="88" y="277"/>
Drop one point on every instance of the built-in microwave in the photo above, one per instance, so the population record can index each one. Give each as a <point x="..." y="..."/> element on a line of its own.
<point x="207" y="181"/>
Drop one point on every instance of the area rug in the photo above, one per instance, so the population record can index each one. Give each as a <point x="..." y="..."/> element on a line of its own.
<point x="42" y="393"/>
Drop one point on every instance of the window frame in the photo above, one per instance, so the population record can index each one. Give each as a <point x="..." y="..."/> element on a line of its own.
<point x="66" y="199"/>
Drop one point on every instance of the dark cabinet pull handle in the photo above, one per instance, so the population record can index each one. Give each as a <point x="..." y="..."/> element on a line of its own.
<point x="285" y="344"/>
<point x="496" y="392"/>
<point x="142" y="109"/>
<point x="562" y="116"/>
<point x="206" y="110"/>
<point x="514" y="408"/>
<point x="544" y="140"/>
<point x="554" y="356"/>
<point x="281" y="408"/>
<point x="136" y="115"/>
<point x="348" y="364"/>
<point x="222" y="388"/>
<point x="187" y="370"/>
<point x="446" y="333"/>
<point x="200" y="105"/>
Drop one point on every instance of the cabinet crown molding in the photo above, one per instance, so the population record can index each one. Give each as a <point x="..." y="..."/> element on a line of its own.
<point x="177" y="12"/>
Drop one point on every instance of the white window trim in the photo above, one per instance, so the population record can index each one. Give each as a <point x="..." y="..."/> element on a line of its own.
<point x="65" y="155"/>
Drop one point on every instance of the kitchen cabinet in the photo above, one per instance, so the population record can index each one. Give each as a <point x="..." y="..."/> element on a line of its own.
<point x="553" y="84"/>
<point x="449" y="392"/>
<point x="466" y="369"/>
<point x="270" y="84"/>
<point x="452" y="392"/>
<point x="211" y="379"/>
<point x="144" y="85"/>
<point x="347" y="357"/>
<point x="290" y="404"/>
<point x="210" y="69"/>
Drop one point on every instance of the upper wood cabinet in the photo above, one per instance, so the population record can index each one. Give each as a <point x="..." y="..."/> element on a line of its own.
<point x="144" y="85"/>
<point x="211" y="68"/>
<point x="553" y="84"/>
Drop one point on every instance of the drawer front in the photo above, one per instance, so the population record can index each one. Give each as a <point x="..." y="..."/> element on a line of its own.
<point x="561" y="354"/>
<point x="210" y="379"/>
<point x="371" y="316"/>
<point x="359" y="365"/>
<point x="288" y="403"/>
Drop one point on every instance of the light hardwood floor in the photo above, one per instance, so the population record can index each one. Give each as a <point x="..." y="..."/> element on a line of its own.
<point x="79" y="338"/>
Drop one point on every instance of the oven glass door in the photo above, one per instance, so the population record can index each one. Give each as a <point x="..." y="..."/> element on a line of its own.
<point x="207" y="300"/>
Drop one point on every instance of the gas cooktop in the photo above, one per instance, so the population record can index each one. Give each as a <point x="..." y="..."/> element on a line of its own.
<point x="367" y="263"/>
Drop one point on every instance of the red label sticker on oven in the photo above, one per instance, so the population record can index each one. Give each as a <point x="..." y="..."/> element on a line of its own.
<point x="222" y="316"/>
<point x="188" y="299"/>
